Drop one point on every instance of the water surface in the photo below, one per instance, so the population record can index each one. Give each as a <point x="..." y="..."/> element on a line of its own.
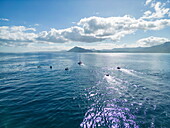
<point x="137" y="95"/>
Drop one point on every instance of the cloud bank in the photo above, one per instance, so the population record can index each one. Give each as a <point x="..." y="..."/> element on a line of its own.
<point x="95" y="29"/>
<point x="160" y="11"/>
<point x="148" y="1"/>
<point x="18" y="34"/>
<point x="98" y="29"/>
<point x="151" y="41"/>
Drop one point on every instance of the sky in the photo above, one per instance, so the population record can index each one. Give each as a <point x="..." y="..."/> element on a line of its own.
<point x="54" y="25"/>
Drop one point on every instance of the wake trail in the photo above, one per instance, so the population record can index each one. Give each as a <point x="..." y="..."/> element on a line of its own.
<point x="111" y="79"/>
<point x="129" y="72"/>
<point x="140" y="75"/>
<point x="116" y="84"/>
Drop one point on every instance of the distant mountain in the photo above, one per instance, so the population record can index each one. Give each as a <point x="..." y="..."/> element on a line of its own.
<point x="79" y="49"/>
<point x="163" y="48"/>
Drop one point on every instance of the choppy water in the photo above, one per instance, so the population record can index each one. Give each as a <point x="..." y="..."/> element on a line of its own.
<point x="137" y="95"/>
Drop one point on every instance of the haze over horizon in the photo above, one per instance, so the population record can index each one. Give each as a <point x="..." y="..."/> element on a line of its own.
<point x="36" y="25"/>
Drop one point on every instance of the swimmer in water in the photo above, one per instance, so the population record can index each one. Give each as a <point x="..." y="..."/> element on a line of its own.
<point x="66" y="68"/>
<point x="118" y="67"/>
<point x="51" y="67"/>
<point x="39" y="66"/>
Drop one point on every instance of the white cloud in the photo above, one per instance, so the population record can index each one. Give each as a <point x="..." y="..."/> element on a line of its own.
<point x="92" y="29"/>
<point x="77" y="34"/>
<point x="111" y="28"/>
<point x="151" y="41"/>
<point x="88" y="30"/>
<point x="115" y="28"/>
<point x="160" y="11"/>
<point x="98" y="29"/>
<point x="73" y="22"/>
<point x="73" y="34"/>
<point x="4" y="19"/>
<point x="147" y="13"/>
<point x="53" y="35"/>
<point x="36" y="24"/>
<point x="148" y="2"/>
<point x="20" y="34"/>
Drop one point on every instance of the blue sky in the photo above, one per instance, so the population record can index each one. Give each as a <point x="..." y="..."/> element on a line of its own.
<point x="42" y="25"/>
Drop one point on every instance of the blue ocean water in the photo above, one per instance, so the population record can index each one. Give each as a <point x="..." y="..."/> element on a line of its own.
<point x="135" y="96"/>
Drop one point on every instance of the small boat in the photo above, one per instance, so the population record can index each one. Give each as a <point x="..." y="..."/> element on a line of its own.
<point x="107" y="75"/>
<point x="80" y="63"/>
<point x="66" y="68"/>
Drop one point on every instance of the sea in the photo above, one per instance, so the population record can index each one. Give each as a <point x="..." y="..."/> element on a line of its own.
<point x="94" y="94"/>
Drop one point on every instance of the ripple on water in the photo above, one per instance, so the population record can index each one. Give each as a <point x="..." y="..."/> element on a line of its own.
<point x="136" y="96"/>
